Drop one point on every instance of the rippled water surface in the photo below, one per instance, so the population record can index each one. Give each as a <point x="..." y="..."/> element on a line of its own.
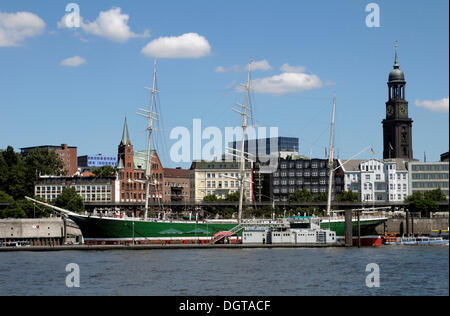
<point x="412" y="270"/>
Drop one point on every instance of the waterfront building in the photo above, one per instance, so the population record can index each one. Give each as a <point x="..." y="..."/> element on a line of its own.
<point x="68" y="154"/>
<point x="218" y="178"/>
<point x="281" y="147"/>
<point x="397" y="126"/>
<point x="176" y="185"/>
<point x="91" y="188"/>
<point x="427" y="176"/>
<point x="377" y="180"/>
<point x="265" y="153"/>
<point x="96" y="161"/>
<point x="304" y="173"/>
<point x="131" y="171"/>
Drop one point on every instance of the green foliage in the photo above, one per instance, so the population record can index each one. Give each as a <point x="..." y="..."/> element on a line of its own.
<point x="70" y="200"/>
<point x="44" y="162"/>
<point x="35" y="211"/>
<point x="321" y="197"/>
<point x="17" y="176"/>
<point x="210" y="198"/>
<point x="104" y="172"/>
<point x="301" y="196"/>
<point x="14" y="210"/>
<point x="348" y="196"/>
<point x="233" y="197"/>
<point x="12" y="174"/>
<point x="436" y="195"/>
<point x="418" y="202"/>
<point x="5" y="197"/>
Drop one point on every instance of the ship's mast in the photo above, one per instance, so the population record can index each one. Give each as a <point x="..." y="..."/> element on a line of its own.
<point x="330" y="159"/>
<point x="245" y="115"/>
<point x="151" y="117"/>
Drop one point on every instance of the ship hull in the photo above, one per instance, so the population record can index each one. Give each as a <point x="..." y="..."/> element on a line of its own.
<point x="368" y="227"/>
<point x="113" y="231"/>
<point x="96" y="230"/>
<point x="368" y="233"/>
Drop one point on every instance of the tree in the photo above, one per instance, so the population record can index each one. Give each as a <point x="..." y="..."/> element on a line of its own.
<point x="418" y="202"/>
<point x="436" y="195"/>
<point x="210" y="198"/>
<point x="13" y="211"/>
<point x="70" y="200"/>
<point x="321" y="197"/>
<point x="5" y="197"/>
<point x="234" y="197"/>
<point x="12" y="170"/>
<point x="35" y="211"/>
<point x="301" y="196"/>
<point x="347" y="196"/>
<point x="104" y="172"/>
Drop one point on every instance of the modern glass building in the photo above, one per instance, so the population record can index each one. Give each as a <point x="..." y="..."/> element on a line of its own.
<point x="279" y="146"/>
<point x="97" y="161"/>
<point x="428" y="176"/>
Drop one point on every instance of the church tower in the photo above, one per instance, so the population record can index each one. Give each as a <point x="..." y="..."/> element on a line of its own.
<point x="125" y="151"/>
<point x="397" y="127"/>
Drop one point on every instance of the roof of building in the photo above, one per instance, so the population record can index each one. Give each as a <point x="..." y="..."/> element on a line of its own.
<point x="88" y="174"/>
<point x="354" y="164"/>
<point x="48" y="147"/>
<point x="217" y="165"/>
<point x="176" y="173"/>
<point x="140" y="159"/>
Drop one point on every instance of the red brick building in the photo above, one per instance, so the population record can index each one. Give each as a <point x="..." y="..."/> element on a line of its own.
<point x="68" y="154"/>
<point x="131" y="170"/>
<point x="176" y="185"/>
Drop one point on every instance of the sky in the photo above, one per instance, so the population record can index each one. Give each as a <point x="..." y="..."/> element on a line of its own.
<point x="75" y="85"/>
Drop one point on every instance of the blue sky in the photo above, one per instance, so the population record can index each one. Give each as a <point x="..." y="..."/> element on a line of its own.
<point x="44" y="102"/>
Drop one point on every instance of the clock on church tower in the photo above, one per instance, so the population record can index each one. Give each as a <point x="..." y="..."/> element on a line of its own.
<point x="397" y="127"/>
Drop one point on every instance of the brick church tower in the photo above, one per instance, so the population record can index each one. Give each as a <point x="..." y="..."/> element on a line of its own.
<point x="397" y="127"/>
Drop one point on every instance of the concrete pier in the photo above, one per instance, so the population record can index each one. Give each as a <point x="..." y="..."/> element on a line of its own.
<point x="39" y="231"/>
<point x="165" y="246"/>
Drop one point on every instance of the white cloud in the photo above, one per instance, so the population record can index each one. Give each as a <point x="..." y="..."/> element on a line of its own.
<point x="16" y="27"/>
<point x="262" y="65"/>
<point x="289" y="68"/>
<point x="73" y="61"/>
<point x="286" y="83"/>
<point x="437" y="106"/>
<point x="111" y="24"/>
<point x="234" y="68"/>
<point x="189" y="45"/>
<point x="220" y="69"/>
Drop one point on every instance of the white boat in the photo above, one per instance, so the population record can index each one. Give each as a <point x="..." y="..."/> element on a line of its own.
<point x="419" y="241"/>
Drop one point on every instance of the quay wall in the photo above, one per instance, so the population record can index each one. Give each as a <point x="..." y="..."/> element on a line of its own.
<point x="421" y="225"/>
<point x="37" y="229"/>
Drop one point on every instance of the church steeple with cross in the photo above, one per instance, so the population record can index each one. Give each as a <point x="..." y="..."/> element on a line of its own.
<point x="397" y="126"/>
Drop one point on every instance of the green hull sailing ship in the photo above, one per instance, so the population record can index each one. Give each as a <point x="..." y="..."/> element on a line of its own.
<point x="119" y="230"/>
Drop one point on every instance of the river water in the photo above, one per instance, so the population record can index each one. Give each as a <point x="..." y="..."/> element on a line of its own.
<point x="403" y="270"/>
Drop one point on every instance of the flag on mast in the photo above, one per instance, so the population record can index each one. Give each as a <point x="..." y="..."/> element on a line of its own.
<point x="390" y="146"/>
<point x="371" y="150"/>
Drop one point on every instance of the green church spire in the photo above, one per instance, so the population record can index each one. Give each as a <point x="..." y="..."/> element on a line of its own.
<point x="125" y="135"/>
<point x="396" y="65"/>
